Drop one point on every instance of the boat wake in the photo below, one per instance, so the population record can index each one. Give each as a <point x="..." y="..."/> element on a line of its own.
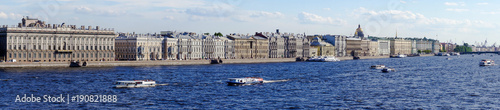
<point x="162" y="84"/>
<point x="273" y="81"/>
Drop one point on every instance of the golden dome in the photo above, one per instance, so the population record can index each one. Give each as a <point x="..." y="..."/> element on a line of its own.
<point x="359" y="32"/>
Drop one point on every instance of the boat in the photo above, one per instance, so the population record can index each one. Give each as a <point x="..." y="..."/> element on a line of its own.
<point x="245" y="81"/>
<point x="329" y="59"/>
<point x="377" y="67"/>
<point x="322" y="59"/>
<point x="486" y="62"/>
<point x="387" y="69"/>
<point x="399" y="56"/>
<point x="314" y="58"/>
<point x="448" y="58"/>
<point x="135" y="83"/>
<point x="443" y="54"/>
<point x="355" y="58"/>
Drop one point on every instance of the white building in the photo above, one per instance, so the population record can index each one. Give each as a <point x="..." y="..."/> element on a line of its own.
<point x="339" y="41"/>
<point x="139" y="47"/>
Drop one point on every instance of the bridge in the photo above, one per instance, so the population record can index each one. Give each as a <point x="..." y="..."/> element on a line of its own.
<point x="495" y="52"/>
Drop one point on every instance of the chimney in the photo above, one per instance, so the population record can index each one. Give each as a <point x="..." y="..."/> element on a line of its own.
<point x="90" y="28"/>
<point x="82" y="27"/>
<point x="54" y="26"/>
<point x="96" y="27"/>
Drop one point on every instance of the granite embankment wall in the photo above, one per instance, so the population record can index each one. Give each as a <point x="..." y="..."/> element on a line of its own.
<point x="161" y="63"/>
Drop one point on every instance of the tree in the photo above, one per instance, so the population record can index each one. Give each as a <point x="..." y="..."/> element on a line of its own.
<point x="427" y="51"/>
<point x="419" y="51"/>
<point x="462" y="49"/>
<point x="218" y="34"/>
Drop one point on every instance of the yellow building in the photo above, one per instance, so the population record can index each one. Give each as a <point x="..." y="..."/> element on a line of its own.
<point x="250" y="46"/>
<point x="400" y="46"/>
<point x="322" y="48"/>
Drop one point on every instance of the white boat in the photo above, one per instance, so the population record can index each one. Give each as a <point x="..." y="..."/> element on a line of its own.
<point x="322" y="59"/>
<point x="443" y="54"/>
<point x="377" y="67"/>
<point x="314" y="58"/>
<point x="387" y="69"/>
<point x="400" y="56"/>
<point x="245" y="81"/>
<point x="328" y="59"/>
<point x="448" y="58"/>
<point x="486" y="62"/>
<point x="455" y="53"/>
<point x="135" y="83"/>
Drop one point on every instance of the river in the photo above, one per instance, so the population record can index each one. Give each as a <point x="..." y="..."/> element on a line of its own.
<point x="419" y="83"/>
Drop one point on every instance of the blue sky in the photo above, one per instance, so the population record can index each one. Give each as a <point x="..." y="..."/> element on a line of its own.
<point x="448" y="21"/>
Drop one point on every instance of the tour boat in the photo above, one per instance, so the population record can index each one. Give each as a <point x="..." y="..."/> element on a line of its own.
<point x="329" y="59"/>
<point x="135" y="83"/>
<point x="377" y="67"/>
<point x="486" y="62"/>
<point x="401" y="56"/>
<point x="386" y="70"/>
<point x="245" y="81"/>
<point x="323" y="59"/>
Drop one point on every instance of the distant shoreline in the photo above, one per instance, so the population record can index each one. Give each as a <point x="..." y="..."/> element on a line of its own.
<point x="162" y="62"/>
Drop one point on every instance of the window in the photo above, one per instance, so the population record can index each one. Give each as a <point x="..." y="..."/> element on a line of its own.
<point x="50" y="55"/>
<point x="15" y="55"/>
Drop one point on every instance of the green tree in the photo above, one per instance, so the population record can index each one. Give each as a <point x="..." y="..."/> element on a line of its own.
<point x="462" y="49"/>
<point x="427" y="51"/>
<point x="419" y="51"/>
<point x="218" y="34"/>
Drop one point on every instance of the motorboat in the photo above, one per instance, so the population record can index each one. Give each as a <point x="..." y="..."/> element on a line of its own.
<point x="328" y="59"/>
<point x="400" y="56"/>
<point x="322" y="59"/>
<point x="387" y="69"/>
<point x="377" y="67"/>
<point x="486" y="62"/>
<point x="455" y="54"/>
<point x="245" y="81"/>
<point x="314" y="58"/>
<point x="448" y="58"/>
<point x="135" y="83"/>
<point x="443" y="54"/>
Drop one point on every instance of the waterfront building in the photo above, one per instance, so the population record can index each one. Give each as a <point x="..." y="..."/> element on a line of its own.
<point x="448" y="47"/>
<point x="250" y="46"/>
<point x="276" y="46"/>
<point x="34" y="41"/>
<point x="190" y="46"/>
<point x="373" y="48"/>
<point x="384" y="47"/>
<point x="170" y="48"/>
<point x="413" y="46"/>
<point x="339" y="41"/>
<point x="291" y="46"/>
<point x="435" y="46"/>
<point x="228" y="48"/>
<point x="139" y="47"/>
<point x="353" y="47"/>
<point x="305" y="47"/>
<point x="322" y="48"/>
<point x="400" y="46"/>
<point x="213" y="47"/>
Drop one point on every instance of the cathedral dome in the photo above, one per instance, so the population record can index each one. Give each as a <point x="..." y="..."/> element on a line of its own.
<point x="359" y="32"/>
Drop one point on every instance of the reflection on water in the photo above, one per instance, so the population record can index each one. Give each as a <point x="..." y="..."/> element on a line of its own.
<point x="420" y="82"/>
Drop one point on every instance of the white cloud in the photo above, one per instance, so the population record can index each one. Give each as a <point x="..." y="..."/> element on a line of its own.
<point x="407" y="17"/>
<point x="267" y="14"/>
<point x="402" y="1"/>
<point x="454" y="3"/>
<point x="484" y="3"/>
<point x="101" y="12"/>
<point x="457" y="9"/>
<point x="219" y="10"/>
<point x="168" y="18"/>
<point x="305" y="17"/>
<point x="327" y="9"/>
<point x="3" y="15"/>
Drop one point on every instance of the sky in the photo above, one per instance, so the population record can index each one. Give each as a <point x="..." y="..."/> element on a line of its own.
<point x="471" y="21"/>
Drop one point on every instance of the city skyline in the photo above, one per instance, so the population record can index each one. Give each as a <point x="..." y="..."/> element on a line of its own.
<point x="444" y="20"/>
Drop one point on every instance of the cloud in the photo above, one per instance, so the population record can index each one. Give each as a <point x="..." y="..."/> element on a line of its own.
<point x="12" y="16"/>
<point x="168" y="18"/>
<point x="454" y="3"/>
<point x="309" y="18"/>
<point x="101" y="12"/>
<point x="402" y="1"/>
<point x="484" y="3"/>
<point x="457" y="10"/>
<point x="218" y="10"/>
<point x="408" y="17"/>
<point x="267" y="14"/>
<point x="327" y="9"/>
<point x="3" y="15"/>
